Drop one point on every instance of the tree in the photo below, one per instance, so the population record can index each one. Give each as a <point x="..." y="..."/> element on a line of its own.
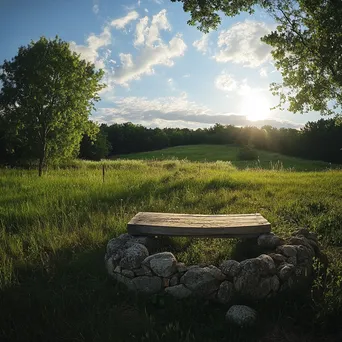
<point x="47" y="95"/>
<point x="95" y="149"/>
<point x="307" y="47"/>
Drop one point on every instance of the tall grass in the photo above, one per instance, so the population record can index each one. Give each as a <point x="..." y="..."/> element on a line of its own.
<point x="53" y="232"/>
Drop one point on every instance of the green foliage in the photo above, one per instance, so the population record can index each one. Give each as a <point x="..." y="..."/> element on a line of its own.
<point x="46" y="98"/>
<point x="307" y="45"/>
<point x="247" y="153"/>
<point x="96" y="148"/>
<point x="205" y="13"/>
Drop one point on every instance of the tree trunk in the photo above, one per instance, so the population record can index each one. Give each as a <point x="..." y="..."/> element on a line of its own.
<point x="40" y="166"/>
<point x="42" y="158"/>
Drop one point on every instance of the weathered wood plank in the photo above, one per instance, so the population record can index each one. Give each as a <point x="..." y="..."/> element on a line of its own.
<point x="149" y="223"/>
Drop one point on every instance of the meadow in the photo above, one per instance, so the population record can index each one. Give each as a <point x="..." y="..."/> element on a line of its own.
<point x="54" y="229"/>
<point x="212" y="153"/>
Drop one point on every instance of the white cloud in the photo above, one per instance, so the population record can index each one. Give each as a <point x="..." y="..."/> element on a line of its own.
<point x="149" y="35"/>
<point x="126" y="60"/>
<point x="173" y="111"/>
<point x="225" y="82"/>
<point x="159" y="22"/>
<point x="241" y="44"/>
<point x="153" y="50"/>
<point x="90" y="52"/>
<point x="140" y="31"/>
<point x="96" y="8"/>
<point x="186" y="75"/>
<point x="202" y="44"/>
<point x="121" y="23"/>
<point x="263" y="72"/>
<point x="171" y="84"/>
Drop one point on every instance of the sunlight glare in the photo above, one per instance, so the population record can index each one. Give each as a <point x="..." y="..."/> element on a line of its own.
<point x="255" y="107"/>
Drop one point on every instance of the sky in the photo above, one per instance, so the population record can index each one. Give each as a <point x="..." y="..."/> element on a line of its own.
<point x="159" y="71"/>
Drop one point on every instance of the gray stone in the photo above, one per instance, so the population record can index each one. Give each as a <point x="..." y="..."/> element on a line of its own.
<point x="117" y="269"/>
<point x="147" y="285"/>
<point x="216" y="273"/>
<point x="285" y="271"/>
<point x="304" y="253"/>
<point x="127" y="273"/>
<point x="275" y="283"/>
<point x="301" y="231"/>
<point x="241" y="315"/>
<point x="149" y="242"/>
<point x="178" y="291"/>
<point x="249" y="281"/>
<point x="312" y="236"/>
<point x="225" y="292"/>
<point x="287" y="250"/>
<point x="125" y="281"/>
<point x="230" y="268"/>
<point x="314" y="246"/>
<point x="269" y="241"/>
<point x="292" y="260"/>
<point x="181" y="267"/>
<point x="116" y="244"/>
<point x="133" y="256"/>
<point x="277" y="258"/>
<point x="174" y="281"/>
<point x="143" y="270"/>
<point x="110" y="266"/>
<point x="268" y="266"/>
<point x="299" y="240"/>
<point x="200" y="280"/>
<point x="162" y="264"/>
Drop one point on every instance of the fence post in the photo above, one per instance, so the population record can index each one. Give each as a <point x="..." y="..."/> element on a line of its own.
<point x="103" y="173"/>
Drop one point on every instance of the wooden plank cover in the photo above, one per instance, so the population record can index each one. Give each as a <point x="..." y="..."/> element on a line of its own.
<point x="148" y="223"/>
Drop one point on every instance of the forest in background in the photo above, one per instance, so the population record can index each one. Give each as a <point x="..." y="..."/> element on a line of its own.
<point x="320" y="140"/>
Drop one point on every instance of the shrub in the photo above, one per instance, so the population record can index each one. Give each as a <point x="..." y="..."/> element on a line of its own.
<point x="247" y="153"/>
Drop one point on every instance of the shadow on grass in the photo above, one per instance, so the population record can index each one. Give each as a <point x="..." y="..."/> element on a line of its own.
<point x="72" y="299"/>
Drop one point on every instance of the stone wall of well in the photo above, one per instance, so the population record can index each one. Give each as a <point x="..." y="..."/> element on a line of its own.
<point x="283" y="266"/>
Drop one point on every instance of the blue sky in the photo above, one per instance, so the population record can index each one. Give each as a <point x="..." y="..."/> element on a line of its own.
<point x="159" y="71"/>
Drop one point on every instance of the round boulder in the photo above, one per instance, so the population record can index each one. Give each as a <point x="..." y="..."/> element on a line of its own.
<point x="162" y="264"/>
<point x="269" y="241"/>
<point x="225" y="292"/>
<point x="230" y="268"/>
<point x="200" y="280"/>
<point x="133" y="256"/>
<point x="178" y="291"/>
<point x="241" y="315"/>
<point x="147" y="285"/>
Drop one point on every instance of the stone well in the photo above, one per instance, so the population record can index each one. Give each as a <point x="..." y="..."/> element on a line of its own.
<point x="283" y="266"/>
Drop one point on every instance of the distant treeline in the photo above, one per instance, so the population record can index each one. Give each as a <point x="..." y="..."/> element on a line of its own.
<point x="321" y="140"/>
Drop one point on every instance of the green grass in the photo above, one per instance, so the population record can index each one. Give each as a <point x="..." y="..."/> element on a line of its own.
<point x="209" y="153"/>
<point x="54" y="229"/>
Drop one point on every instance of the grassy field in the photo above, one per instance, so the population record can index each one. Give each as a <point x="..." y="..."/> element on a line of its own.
<point x="204" y="153"/>
<point x="54" y="229"/>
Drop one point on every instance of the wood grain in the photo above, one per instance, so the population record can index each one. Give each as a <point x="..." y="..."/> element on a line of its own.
<point x="236" y="225"/>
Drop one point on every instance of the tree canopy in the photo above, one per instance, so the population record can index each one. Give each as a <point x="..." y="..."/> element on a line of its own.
<point x="307" y="46"/>
<point x="46" y="98"/>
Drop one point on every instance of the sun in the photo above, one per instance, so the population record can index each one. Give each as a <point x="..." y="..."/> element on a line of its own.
<point x="255" y="107"/>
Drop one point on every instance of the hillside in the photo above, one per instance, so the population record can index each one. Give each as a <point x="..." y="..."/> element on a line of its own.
<point x="210" y="153"/>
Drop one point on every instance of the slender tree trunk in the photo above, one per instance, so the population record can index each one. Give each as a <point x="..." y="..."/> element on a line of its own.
<point x="40" y="166"/>
<point x="42" y="158"/>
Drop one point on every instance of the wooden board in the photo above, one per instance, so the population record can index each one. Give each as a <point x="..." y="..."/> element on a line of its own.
<point x="244" y="225"/>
